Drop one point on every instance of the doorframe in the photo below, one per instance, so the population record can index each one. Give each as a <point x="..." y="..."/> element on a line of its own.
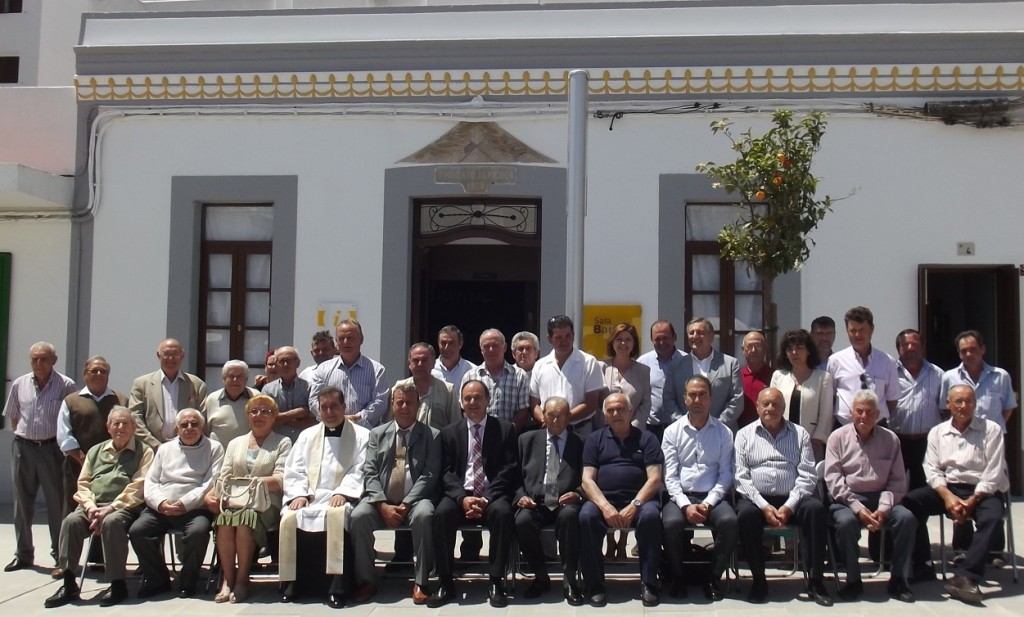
<point x="403" y="186"/>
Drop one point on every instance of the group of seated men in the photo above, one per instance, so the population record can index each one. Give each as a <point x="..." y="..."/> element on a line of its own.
<point x="425" y="467"/>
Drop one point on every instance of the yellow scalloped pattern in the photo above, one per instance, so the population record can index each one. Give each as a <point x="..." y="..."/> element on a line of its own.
<point x="617" y="82"/>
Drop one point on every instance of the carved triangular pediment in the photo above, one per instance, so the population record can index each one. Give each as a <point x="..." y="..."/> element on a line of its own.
<point x="476" y="143"/>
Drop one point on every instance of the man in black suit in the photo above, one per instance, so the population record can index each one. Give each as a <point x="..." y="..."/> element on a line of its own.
<point x="544" y="497"/>
<point x="479" y="474"/>
<point x="403" y="464"/>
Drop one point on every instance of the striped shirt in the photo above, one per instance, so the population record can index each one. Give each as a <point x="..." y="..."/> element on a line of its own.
<point x="34" y="410"/>
<point x="510" y="391"/>
<point x="976" y="456"/>
<point x="776" y="465"/>
<point x="364" y="385"/>
<point x="917" y="411"/>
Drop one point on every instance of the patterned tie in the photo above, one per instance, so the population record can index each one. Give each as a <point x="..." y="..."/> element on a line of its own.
<point x="551" y="475"/>
<point x="477" y="459"/>
<point x="396" y="483"/>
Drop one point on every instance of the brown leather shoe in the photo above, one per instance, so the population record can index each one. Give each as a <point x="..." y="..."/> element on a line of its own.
<point x="56" y="573"/>
<point x="420" y="594"/>
<point x="364" y="592"/>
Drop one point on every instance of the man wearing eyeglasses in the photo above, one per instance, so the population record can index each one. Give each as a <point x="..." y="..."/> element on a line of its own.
<point x="863" y="367"/>
<point x="291" y="392"/>
<point x="179" y="478"/>
<point x="157" y="397"/>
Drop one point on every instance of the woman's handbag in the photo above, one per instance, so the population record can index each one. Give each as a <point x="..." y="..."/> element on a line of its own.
<point x="243" y="493"/>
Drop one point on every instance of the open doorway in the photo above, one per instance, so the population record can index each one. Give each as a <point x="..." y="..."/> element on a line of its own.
<point x="984" y="298"/>
<point x="476" y="264"/>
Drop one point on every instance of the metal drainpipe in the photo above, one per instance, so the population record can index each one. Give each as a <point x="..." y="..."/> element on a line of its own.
<point x="576" y="198"/>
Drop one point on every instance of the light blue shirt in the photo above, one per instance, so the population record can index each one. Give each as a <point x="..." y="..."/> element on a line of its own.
<point x="993" y="391"/>
<point x="660" y="370"/>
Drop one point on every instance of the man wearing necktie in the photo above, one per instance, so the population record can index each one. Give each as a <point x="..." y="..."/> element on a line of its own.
<point x="403" y="464"/>
<point x="552" y="469"/>
<point x="478" y="455"/>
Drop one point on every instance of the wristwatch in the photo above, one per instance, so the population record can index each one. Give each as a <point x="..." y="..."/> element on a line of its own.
<point x="637" y="503"/>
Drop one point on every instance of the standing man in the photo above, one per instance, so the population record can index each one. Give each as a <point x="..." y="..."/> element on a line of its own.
<point x="966" y="471"/>
<point x="157" y="397"/>
<point x="403" y="464"/>
<point x="699" y="479"/>
<point x="181" y="475"/>
<point x="756" y="375"/>
<point x="478" y="469"/>
<point x="775" y="479"/>
<point x="509" y="385"/>
<point x="438" y="400"/>
<point x="552" y="472"/>
<point x="525" y="350"/>
<point x="109" y="498"/>
<point x="361" y="379"/>
<point x="917" y="411"/>
<point x="569" y="373"/>
<point x="82" y="422"/>
<point x="866" y="480"/>
<point x="291" y="393"/>
<point x="823" y="333"/>
<point x="992" y="386"/>
<point x="663" y="360"/>
<point x="721" y="370"/>
<point x="622" y="471"/>
<point x="450" y="365"/>
<point x="321" y="349"/>
<point x="863" y="367"/>
<point x="32" y="408"/>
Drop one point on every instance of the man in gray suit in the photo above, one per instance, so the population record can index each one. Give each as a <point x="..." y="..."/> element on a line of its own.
<point x="721" y="370"/>
<point x="157" y="398"/>
<point x="413" y="449"/>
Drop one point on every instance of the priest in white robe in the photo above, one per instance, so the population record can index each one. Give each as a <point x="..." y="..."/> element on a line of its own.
<point x="323" y="480"/>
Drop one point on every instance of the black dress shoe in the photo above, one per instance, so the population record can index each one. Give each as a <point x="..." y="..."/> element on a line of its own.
<point x="496" y="594"/>
<point x="572" y="594"/>
<point x="288" y="592"/>
<point x="148" y="591"/>
<point x="336" y="600"/>
<point x="819" y="593"/>
<point x="900" y="590"/>
<point x="186" y="592"/>
<point x="597" y="598"/>
<point x="851" y="591"/>
<point x="537" y="588"/>
<point x="713" y="590"/>
<point x="649" y="595"/>
<point x="18" y="564"/>
<point x="115" y="594"/>
<point x="66" y="593"/>
<point x="922" y="573"/>
<point x="445" y="593"/>
<point x="758" y="592"/>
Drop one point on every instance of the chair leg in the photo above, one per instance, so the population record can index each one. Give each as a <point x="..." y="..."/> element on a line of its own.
<point x="85" y="561"/>
<point x="1009" y="537"/>
<point x="942" y="544"/>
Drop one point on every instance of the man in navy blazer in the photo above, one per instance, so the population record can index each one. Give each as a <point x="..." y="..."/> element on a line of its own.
<point x="721" y="370"/>
<point x="404" y="500"/>
<point x="542" y="502"/>
<point x="478" y="483"/>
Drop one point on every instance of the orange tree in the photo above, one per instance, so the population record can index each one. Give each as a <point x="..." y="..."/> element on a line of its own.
<point x="777" y="209"/>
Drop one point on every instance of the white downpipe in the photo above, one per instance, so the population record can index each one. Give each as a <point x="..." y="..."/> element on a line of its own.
<point x="576" y="198"/>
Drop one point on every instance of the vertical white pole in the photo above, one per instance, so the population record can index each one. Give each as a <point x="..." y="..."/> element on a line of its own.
<point x="576" y="198"/>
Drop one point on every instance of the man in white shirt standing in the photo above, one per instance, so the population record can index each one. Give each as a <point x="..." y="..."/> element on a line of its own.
<point x="863" y="367"/>
<point x="450" y="365"/>
<point x="570" y="373"/>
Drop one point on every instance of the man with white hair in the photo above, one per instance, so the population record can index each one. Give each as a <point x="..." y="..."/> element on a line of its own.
<point x="36" y="461"/>
<point x="157" y="397"/>
<point x="226" y="417"/>
<point x="291" y="392"/>
<point x="179" y="478"/>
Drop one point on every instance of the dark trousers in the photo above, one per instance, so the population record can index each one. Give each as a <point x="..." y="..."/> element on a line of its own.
<point x="71" y="470"/>
<point x="988" y="516"/>
<point x="311" y="565"/>
<point x="147" y="535"/>
<point x="448" y="516"/>
<point x="567" y="530"/>
<point x="593" y="529"/>
<point x="913" y="449"/>
<point x="35" y="467"/>
<point x="723" y="524"/>
<point x="809" y="517"/>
